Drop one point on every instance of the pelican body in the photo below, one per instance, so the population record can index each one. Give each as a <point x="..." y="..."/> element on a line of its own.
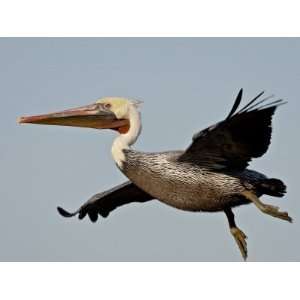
<point x="187" y="186"/>
<point x="211" y="175"/>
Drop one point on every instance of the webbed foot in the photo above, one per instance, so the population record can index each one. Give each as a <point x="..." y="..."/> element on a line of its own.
<point x="240" y="239"/>
<point x="275" y="212"/>
<point x="266" y="208"/>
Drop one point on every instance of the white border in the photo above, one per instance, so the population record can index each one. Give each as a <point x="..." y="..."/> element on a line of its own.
<point x="149" y="281"/>
<point x="149" y="18"/>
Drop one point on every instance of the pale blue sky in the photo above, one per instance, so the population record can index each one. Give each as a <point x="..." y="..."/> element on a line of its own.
<point x="186" y="84"/>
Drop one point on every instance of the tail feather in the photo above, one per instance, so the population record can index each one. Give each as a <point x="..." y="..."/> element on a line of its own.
<point x="273" y="187"/>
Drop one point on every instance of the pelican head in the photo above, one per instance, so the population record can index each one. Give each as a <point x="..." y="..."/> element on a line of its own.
<point x="105" y="113"/>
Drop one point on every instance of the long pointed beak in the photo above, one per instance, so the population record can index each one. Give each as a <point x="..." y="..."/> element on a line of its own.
<point x="91" y="116"/>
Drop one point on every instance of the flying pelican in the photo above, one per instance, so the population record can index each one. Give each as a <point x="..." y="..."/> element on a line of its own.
<point x="211" y="175"/>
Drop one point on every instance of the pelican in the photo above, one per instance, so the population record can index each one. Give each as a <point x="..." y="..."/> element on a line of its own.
<point x="211" y="175"/>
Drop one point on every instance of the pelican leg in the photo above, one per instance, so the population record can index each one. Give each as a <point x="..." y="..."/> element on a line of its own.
<point x="239" y="235"/>
<point x="266" y="208"/>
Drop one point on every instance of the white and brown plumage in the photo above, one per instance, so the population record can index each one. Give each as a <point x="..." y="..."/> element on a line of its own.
<point x="211" y="175"/>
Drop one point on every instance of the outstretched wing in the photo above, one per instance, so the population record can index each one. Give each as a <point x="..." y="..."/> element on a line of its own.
<point x="105" y="202"/>
<point x="233" y="142"/>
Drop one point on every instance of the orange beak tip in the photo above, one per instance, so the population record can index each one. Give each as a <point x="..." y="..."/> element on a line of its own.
<point x="20" y="120"/>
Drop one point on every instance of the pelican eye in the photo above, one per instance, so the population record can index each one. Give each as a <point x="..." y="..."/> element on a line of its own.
<point x="107" y="105"/>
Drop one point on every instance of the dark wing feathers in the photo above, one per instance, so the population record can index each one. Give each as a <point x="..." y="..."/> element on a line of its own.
<point x="252" y="101"/>
<point x="105" y="202"/>
<point x="233" y="142"/>
<point x="236" y="103"/>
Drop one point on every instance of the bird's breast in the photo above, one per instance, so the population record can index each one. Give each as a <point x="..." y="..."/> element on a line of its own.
<point x="183" y="186"/>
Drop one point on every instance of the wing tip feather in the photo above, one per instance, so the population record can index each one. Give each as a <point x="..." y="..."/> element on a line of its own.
<point x="236" y="104"/>
<point x="65" y="213"/>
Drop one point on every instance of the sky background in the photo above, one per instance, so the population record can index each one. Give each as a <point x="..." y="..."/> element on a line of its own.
<point x="186" y="84"/>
